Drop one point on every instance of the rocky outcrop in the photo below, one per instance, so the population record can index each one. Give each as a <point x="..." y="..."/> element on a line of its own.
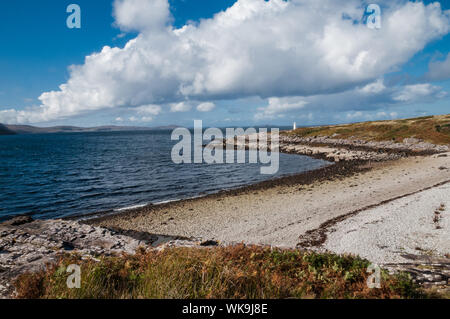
<point x="335" y="154"/>
<point x="27" y="245"/>
<point x="408" y="145"/>
<point x="427" y="271"/>
<point x="335" y="150"/>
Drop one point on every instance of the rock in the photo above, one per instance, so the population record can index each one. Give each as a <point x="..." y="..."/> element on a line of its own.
<point x="27" y="245"/>
<point x="425" y="270"/>
<point x="411" y="140"/>
<point x="209" y="243"/>
<point x="33" y="258"/>
<point x="348" y="149"/>
<point x="67" y="246"/>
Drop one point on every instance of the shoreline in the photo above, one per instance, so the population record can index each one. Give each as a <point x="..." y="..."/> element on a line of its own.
<point x="290" y="178"/>
<point x="309" y="210"/>
<point x="329" y="174"/>
<point x="314" y="210"/>
<point x="305" y="210"/>
<point x="345" y="158"/>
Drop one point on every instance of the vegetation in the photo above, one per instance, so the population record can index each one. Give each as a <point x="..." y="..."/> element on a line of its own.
<point x="231" y="272"/>
<point x="433" y="129"/>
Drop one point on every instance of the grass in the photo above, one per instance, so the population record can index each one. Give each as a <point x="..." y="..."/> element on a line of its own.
<point x="432" y="129"/>
<point x="231" y="272"/>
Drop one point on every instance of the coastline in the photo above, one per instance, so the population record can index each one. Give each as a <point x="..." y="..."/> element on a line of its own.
<point x="313" y="198"/>
<point x="334" y="170"/>
<point x="307" y="211"/>
<point x="312" y="211"/>
<point x="349" y="158"/>
<point x="301" y="177"/>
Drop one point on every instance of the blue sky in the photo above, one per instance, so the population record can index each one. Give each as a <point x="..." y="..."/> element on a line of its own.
<point x="38" y="48"/>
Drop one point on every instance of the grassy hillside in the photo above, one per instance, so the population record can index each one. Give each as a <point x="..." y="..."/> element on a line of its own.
<point x="232" y="272"/>
<point x="433" y="129"/>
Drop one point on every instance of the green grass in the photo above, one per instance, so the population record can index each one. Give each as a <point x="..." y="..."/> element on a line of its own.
<point x="433" y="129"/>
<point x="231" y="272"/>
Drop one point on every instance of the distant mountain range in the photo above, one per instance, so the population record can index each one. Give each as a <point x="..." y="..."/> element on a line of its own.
<point x="28" y="129"/>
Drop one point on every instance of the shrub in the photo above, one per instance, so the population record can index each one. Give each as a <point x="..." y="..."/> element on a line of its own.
<point x="220" y="272"/>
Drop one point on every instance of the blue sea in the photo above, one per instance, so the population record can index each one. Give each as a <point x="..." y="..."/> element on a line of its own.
<point x="74" y="174"/>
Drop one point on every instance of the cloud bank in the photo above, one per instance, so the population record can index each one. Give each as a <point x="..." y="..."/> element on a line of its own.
<point x="371" y="96"/>
<point x="272" y="49"/>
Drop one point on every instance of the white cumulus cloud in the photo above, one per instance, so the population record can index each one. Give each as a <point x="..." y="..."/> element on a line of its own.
<point x="417" y="92"/>
<point x="149" y="109"/>
<point x="374" y="87"/>
<point x="141" y="15"/>
<point x="180" y="107"/>
<point x="358" y="101"/>
<point x="206" y="107"/>
<point x="279" y="106"/>
<point x="259" y="48"/>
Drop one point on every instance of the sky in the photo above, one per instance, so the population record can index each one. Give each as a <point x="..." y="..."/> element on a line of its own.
<point x="226" y="62"/>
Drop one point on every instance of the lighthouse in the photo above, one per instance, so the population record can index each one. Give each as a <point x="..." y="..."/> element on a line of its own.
<point x="294" y="126"/>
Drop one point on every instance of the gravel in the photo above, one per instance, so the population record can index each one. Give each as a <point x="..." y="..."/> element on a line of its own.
<point x="397" y="231"/>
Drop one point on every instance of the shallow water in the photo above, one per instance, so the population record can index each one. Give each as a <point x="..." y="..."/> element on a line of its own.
<point x="61" y="175"/>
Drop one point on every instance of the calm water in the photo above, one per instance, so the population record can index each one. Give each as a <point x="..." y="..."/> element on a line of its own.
<point x="60" y="175"/>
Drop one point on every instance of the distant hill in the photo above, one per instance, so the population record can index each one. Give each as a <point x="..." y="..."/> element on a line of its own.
<point x="28" y="129"/>
<point x="433" y="129"/>
<point x="5" y="131"/>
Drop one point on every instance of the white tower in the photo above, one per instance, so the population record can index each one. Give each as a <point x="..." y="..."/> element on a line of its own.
<point x="295" y="126"/>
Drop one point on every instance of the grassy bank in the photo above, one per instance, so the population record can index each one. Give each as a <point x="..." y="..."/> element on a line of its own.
<point x="232" y="272"/>
<point x="432" y="129"/>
